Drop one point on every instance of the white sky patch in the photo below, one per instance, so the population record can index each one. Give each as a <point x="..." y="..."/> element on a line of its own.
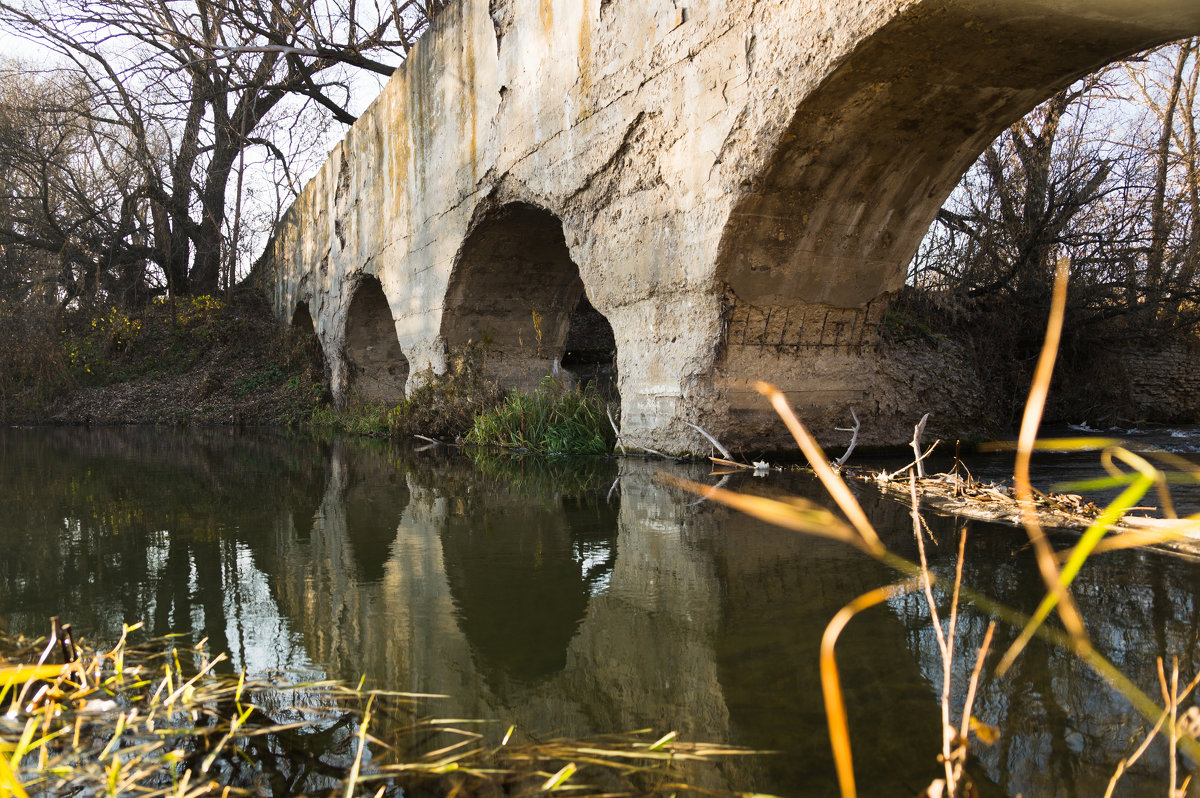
<point x="261" y="639"/>
<point x="15" y="47"/>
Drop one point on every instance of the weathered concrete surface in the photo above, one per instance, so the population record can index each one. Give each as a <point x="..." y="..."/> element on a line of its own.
<point x="736" y="186"/>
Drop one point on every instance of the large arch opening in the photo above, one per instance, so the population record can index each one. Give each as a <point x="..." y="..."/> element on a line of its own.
<point x="1104" y="174"/>
<point x="871" y="154"/>
<point x="377" y="369"/>
<point x="814" y="252"/>
<point x="516" y="292"/>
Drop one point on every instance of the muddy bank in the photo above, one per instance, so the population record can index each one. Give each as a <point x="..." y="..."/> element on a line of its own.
<point x="1155" y="382"/>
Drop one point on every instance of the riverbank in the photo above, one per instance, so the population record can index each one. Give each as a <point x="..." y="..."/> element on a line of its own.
<point x="201" y="361"/>
<point x="981" y="362"/>
<point x="216" y="361"/>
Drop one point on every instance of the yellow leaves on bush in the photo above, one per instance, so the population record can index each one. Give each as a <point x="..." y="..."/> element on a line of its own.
<point x="191" y="310"/>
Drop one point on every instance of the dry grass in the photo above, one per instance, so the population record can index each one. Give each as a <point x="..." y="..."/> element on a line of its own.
<point x="160" y="720"/>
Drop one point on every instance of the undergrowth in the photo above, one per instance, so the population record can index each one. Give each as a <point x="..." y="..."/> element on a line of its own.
<point x="34" y="368"/>
<point x="445" y="405"/>
<point x="551" y="420"/>
<point x="370" y="421"/>
<point x="442" y="406"/>
<point x="466" y="405"/>
<point x="187" y="359"/>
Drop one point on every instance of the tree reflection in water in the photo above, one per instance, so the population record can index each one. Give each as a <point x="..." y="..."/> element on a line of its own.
<point x="1062" y="727"/>
<point x="108" y="526"/>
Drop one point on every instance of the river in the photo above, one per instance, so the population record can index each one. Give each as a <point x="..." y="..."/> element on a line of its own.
<point x="577" y="597"/>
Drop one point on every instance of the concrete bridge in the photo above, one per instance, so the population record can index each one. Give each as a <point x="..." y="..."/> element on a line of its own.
<point x="678" y="196"/>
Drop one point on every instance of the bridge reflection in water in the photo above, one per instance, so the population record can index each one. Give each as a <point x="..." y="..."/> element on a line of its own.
<point x="566" y="598"/>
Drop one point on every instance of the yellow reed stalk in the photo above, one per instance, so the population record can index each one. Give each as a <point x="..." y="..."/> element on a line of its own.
<point x="973" y="685"/>
<point x="820" y="464"/>
<point x="1083" y="549"/>
<point x="831" y="683"/>
<point x="1034" y="407"/>
<point x="798" y="515"/>
<point x="10" y="785"/>
<point x="352" y="780"/>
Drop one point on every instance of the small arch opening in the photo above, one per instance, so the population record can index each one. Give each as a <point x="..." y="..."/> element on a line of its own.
<point x="590" y="350"/>
<point x="377" y="369"/>
<point x="517" y="292"/>
<point x="306" y="350"/>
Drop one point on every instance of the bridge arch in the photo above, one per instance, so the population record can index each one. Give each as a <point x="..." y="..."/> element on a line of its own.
<point x="376" y="368"/>
<point x="516" y="289"/>
<point x="306" y="343"/>
<point x="302" y="320"/>
<point x="869" y="156"/>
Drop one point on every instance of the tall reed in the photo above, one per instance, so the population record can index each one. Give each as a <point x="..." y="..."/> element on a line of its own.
<point x="158" y="720"/>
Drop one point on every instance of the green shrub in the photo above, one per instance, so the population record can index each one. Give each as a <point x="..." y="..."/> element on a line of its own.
<point x="550" y="420"/>
<point x="260" y="380"/>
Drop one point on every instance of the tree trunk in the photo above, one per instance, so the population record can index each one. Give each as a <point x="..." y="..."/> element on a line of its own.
<point x="210" y="242"/>
<point x="1160" y="221"/>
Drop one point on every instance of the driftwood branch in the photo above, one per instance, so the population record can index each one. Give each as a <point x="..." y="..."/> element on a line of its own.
<point x="838" y="463"/>
<point x="918" y="431"/>
<point x="617" y="432"/>
<point x="724" y="452"/>
<point x="886" y="477"/>
<point x="621" y="439"/>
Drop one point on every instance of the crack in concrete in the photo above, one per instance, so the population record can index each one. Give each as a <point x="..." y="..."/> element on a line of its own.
<point x="630" y="131"/>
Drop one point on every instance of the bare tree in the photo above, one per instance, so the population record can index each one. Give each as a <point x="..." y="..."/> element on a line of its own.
<point x="184" y="91"/>
<point x="70" y="221"/>
<point x="1104" y="172"/>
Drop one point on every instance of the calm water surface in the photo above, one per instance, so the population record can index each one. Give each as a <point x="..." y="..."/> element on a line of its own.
<point x="570" y="598"/>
